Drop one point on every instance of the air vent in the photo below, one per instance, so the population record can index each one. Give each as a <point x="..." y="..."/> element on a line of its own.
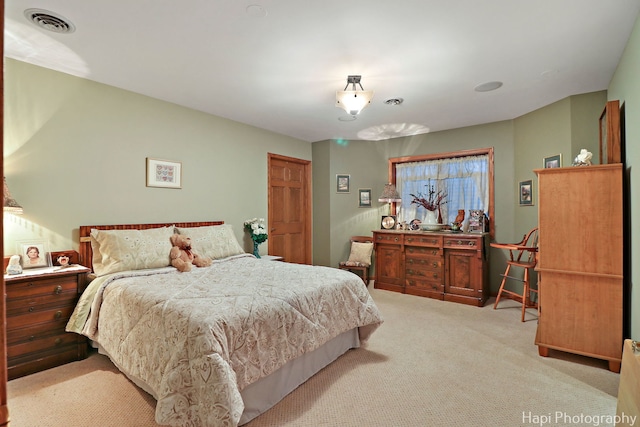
<point x="49" y="21"/>
<point x="394" y="101"/>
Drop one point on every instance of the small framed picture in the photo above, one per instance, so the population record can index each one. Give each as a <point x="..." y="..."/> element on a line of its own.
<point x="34" y="253"/>
<point x="342" y="183"/>
<point x="164" y="173"/>
<point x="553" y="161"/>
<point x="364" y="198"/>
<point x="525" y="192"/>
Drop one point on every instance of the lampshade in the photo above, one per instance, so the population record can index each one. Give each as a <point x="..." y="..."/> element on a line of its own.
<point x="10" y="205"/>
<point x="354" y="100"/>
<point x="389" y="194"/>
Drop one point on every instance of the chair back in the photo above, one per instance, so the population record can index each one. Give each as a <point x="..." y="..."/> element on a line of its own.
<point x="530" y="240"/>
<point x="362" y="239"/>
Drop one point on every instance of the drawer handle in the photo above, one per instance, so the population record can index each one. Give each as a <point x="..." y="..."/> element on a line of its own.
<point x="32" y="337"/>
<point x="58" y="290"/>
<point x="31" y="309"/>
<point x="435" y="264"/>
<point x="58" y="315"/>
<point x="58" y="341"/>
<point x="396" y="239"/>
<point x="409" y="240"/>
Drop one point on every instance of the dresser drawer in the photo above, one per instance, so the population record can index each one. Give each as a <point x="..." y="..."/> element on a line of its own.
<point x="41" y="287"/>
<point x="388" y="238"/>
<point x="434" y="288"/>
<point x="33" y="332"/>
<point x="424" y="272"/>
<point x="423" y="240"/>
<point x="472" y="243"/>
<point x="25" y="365"/>
<point x="35" y="317"/>
<point x="422" y="251"/>
<point x="52" y="342"/>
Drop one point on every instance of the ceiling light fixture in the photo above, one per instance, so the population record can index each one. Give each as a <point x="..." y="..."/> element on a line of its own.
<point x="353" y="101"/>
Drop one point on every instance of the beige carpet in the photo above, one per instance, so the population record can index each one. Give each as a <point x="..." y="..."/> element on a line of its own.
<point x="432" y="363"/>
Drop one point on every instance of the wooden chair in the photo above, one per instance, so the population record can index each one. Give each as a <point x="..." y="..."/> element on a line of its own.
<point x="359" y="260"/>
<point x="524" y="255"/>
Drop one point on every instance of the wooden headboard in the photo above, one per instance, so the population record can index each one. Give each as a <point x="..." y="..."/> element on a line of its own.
<point x="86" y="253"/>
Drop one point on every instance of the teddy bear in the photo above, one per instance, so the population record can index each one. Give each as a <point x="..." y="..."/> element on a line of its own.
<point x="182" y="256"/>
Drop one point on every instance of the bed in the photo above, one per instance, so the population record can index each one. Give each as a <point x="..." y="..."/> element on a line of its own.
<point x="218" y="345"/>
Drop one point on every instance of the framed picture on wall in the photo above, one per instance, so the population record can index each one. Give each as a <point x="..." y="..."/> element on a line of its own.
<point x="164" y="173"/>
<point x="364" y="198"/>
<point x="553" y="161"/>
<point x="525" y="193"/>
<point x="342" y="183"/>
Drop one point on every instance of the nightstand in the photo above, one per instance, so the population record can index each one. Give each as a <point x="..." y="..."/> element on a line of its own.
<point x="38" y="305"/>
<point x="272" y="258"/>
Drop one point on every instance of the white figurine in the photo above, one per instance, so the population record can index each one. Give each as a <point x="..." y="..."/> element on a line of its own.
<point x="14" y="266"/>
<point x="583" y="159"/>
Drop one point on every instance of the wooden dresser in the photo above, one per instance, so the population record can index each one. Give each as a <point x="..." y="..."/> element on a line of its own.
<point x="39" y="304"/>
<point x="442" y="265"/>
<point x="580" y="262"/>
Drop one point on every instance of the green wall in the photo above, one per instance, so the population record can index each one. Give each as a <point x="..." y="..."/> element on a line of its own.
<point x="625" y="86"/>
<point x="75" y="153"/>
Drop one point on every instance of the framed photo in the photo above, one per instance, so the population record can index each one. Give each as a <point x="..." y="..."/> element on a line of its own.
<point x="342" y="183"/>
<point x="364" y="198"/>
<point x="525" y="193"/>
<point x="34" y="253"/>
<point x="553" y="161"/>
<point x="610" y="145"/>
<point x="164" y="173"/>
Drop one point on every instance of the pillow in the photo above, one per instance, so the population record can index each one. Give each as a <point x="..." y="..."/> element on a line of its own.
<point x="213" y="241"/>
<point x="121" y="250"/>
<point x="361" y="253"/>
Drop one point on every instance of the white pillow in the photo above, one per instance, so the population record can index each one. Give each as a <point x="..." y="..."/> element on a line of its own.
<point x="121" y="250"/>
<point x="213" y="241"/>
<point x="361" y="253"/>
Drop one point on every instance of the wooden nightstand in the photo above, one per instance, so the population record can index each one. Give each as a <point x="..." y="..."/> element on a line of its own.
<point x="39" y="304"/>
<point x="272" y="258"/>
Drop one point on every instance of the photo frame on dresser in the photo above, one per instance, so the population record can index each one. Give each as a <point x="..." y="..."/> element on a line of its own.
<point x="609" y="124"/>
<point x="34" y="253"/>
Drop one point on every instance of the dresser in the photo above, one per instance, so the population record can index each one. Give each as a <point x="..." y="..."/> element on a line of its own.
<point x="441" y="265"/>
<point x="38" y="306"/>
<point x="580" y="261"/>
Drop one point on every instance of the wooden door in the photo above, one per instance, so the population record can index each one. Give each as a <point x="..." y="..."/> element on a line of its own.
<point x="290" y="208"/>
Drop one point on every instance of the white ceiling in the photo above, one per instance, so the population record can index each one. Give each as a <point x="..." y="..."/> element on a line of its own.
<point x="280" y="71"/>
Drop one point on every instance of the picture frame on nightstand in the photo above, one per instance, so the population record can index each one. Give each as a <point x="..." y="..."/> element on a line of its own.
<point x="33" y="253"/>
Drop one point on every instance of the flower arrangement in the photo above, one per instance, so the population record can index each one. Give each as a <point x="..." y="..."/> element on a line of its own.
<point x="433" y="200"/>
<point x="257" y="228"/>
<point x="258" y="231"/>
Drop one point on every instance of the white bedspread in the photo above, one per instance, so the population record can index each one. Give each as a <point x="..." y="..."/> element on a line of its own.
<point x="198" y="338"/>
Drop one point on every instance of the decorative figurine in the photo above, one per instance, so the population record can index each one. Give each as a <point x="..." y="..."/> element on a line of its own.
<point x="14" y="266"/>
<point x="63" y="260"/>
<point x="583" y="159"/>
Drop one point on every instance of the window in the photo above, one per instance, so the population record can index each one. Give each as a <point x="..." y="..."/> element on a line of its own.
<point x="465" y="176"/>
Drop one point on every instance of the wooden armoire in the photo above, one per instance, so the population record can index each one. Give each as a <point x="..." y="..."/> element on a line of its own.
<point x="580" y="264"/>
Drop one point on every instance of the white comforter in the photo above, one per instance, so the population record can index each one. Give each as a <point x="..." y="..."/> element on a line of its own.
<point x="196" y="339"/>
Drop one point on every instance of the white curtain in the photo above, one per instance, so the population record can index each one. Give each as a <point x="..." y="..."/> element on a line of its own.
<point x="464" y="179"/>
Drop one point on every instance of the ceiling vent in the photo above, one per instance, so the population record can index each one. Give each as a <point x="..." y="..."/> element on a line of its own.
<point x="49" y="21"/>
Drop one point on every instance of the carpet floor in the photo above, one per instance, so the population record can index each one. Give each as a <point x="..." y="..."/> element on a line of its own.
<point x="432" y="363"/>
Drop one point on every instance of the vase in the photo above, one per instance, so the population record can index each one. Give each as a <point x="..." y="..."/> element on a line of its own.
<point x="431" y="217"/>
<point x="256" y="251"/>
